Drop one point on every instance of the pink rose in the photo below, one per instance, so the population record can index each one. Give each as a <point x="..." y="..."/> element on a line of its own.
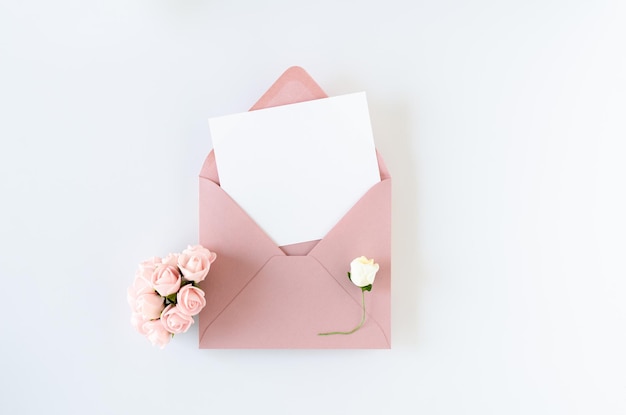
<point x="156" y="333"/>
<point x="165" y="278"/>
<point x="175" y="321"/>
<point x="137" y="320"/>
<point x="150" y="305"/>
<point x="195" y="262"/>
<point x="170" y="259"/>
<point x="140" y="286"/>
<point x="146" y="268"/>
<point x="190" y="300"/>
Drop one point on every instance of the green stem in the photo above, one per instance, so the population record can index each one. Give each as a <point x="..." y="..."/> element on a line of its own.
<point x="354" y="329"/>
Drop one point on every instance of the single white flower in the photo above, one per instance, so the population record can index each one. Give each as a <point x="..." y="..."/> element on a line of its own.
<point x="362" y="274"/>
<point x="363" y="271"/>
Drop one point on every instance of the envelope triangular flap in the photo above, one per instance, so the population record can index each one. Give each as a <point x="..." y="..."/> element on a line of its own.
<point x="294" y="85"/>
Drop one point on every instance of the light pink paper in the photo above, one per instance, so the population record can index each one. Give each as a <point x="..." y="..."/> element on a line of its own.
<point x="260" y="295"/>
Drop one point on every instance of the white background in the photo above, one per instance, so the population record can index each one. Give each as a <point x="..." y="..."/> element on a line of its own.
<point x="502" y="122"/>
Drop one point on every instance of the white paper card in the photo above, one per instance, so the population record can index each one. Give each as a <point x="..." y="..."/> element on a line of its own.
<point x="297" y="169"/>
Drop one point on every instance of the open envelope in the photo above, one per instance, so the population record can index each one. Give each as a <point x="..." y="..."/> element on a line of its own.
<point x="259" y="295"/>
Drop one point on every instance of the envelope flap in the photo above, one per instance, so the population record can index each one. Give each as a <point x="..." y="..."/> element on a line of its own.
<point x="294" y="85"/>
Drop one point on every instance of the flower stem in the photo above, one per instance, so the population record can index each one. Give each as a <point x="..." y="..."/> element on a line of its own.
<point x="354" y="329"/>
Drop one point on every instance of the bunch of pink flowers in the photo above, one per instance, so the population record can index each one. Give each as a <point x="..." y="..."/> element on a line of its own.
<point x="165" y="295"/>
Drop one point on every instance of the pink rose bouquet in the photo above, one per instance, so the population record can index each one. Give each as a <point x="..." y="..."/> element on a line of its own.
<point x="165" y="296"/>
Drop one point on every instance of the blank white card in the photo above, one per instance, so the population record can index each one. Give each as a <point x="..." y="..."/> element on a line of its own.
<point x="297" y="169"/>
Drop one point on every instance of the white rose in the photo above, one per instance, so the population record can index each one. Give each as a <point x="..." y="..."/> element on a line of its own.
<point x="363" y="271"/>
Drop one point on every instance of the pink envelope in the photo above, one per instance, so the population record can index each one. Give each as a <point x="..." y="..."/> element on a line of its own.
<point x="260" y="295"/>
